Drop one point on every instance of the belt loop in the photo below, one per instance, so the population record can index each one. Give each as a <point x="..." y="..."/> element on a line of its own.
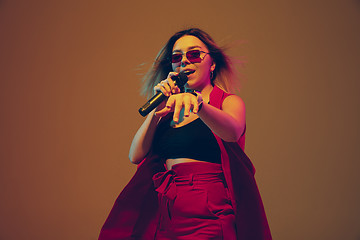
<point x="191" y="179"/>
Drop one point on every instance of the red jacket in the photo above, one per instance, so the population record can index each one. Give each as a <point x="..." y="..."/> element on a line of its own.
<point x="135" y="212"/>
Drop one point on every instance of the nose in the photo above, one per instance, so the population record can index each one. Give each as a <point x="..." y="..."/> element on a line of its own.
<point x="184" y="61"/>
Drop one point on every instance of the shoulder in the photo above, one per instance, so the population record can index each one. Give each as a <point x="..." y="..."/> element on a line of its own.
<point x="233" y="101"/>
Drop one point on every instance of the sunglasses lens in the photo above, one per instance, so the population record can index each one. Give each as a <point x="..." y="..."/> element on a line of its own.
<point x="193" y="56"/>
<point x="175" y="58"/>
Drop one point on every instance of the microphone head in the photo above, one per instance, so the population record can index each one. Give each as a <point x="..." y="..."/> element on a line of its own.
<point x="181" y="79"/>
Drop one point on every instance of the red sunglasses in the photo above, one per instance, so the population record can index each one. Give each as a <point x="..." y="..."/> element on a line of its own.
<point x="193" y="56"/>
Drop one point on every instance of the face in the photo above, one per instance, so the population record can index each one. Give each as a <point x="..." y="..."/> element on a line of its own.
<point x="201" y="67"/>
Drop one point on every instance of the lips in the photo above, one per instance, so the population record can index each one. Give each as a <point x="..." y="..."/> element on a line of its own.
<point x="188" y="71"/>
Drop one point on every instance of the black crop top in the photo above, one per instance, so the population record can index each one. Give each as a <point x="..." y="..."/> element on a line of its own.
<point x="193" y="140"/>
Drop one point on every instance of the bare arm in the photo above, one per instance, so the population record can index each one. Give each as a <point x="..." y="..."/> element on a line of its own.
<point x="143" y="138"/>
<point x="228" y="123"/>
<point x="141" y="144"/>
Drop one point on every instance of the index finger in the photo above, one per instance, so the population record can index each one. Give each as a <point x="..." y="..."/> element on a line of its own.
<point x="172" y="82"/>
<point x="172" y="85"/>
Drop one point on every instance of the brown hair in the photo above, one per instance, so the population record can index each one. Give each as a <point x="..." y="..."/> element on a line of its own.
<point x="223" y="75"/>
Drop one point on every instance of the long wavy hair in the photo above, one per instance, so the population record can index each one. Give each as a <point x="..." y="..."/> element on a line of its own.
<point x="223" y="75"/>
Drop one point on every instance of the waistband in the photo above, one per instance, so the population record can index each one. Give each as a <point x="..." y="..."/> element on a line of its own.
<point x="187" y="174"/>
<point x="196" y="168"/>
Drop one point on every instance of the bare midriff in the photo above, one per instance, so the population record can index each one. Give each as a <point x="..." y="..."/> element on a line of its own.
<point x="172" y="162"/>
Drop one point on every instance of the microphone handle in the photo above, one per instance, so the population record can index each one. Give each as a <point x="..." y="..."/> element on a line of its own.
<point x="152" y="103"/>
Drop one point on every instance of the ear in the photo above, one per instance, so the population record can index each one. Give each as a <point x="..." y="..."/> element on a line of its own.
<point x="212" y="67"/>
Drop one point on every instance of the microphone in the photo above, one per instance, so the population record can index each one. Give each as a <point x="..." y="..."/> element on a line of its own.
<point x="158" y="98"/>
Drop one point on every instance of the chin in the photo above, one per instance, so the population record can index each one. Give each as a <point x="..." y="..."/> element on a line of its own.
<point x="189" y="84"/>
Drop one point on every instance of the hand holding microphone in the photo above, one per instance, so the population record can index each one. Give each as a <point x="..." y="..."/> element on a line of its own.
<point x="167" y="87"/>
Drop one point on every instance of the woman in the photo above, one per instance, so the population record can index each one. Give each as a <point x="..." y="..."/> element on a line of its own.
<point x="207" y="190"/>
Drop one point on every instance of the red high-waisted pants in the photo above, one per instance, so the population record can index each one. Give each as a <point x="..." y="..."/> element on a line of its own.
<point x="194" y="203"/>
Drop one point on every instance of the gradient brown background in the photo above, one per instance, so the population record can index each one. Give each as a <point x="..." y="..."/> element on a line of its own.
<point x="69" y="93"/>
